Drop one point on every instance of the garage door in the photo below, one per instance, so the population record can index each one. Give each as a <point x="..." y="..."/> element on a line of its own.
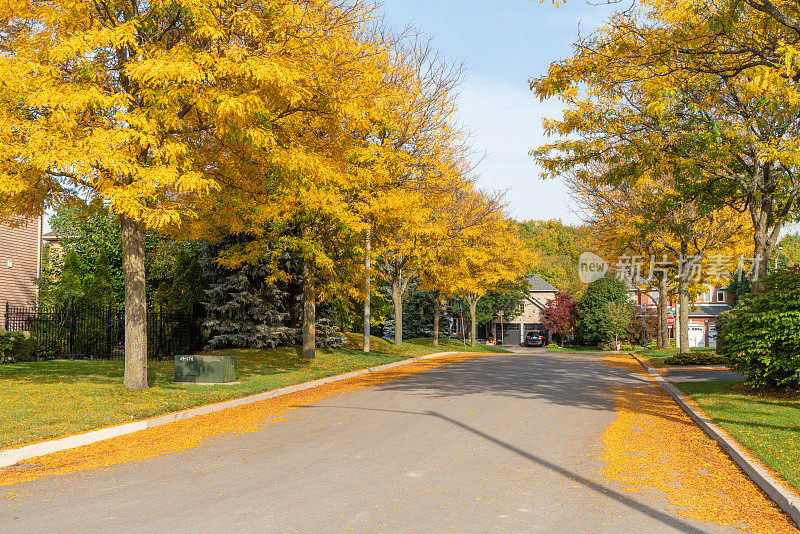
<point x="511" y="334"/>
<point x="697" y="336"/>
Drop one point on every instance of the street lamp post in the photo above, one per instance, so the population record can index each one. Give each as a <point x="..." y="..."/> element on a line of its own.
<point x="778" y="255"/>
<point x="502" y="329"/>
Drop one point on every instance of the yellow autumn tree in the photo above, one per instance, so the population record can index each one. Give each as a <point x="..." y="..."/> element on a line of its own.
<point x="423" y="165"/>
<point x="653" y="232"/>
<point x="481" y="251"/>
<point x="491" y="257"/>
<point x="708" y="87"/>
<point x="155" y="106"/>
<point x="379" y="160"/>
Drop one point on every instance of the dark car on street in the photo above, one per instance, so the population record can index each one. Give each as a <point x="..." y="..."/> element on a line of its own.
<point x="534" y="339"/>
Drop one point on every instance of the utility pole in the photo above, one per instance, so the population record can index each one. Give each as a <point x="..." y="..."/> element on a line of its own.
<point x="461" y="313"/>
<point x="367" y="294"/>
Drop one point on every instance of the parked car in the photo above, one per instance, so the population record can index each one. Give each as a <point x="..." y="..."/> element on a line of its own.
<point x="534" y="339"/>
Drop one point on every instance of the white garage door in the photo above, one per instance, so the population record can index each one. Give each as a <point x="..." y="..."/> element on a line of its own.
<point x="697" y="336"/>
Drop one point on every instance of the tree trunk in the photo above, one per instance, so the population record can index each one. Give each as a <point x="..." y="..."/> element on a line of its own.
<point x="764" y="245"/>
<point x="397" y="299"/>
<point x="437" y="308"/>
<point x="473" y="311"/>
<point x="367" y="289"/>
<point x="663" y="329"/>
<point x="659" y="319"/>
<point x="135" y="304"/>
<point x="309" y="309"/>
<point x="683" y="305"/>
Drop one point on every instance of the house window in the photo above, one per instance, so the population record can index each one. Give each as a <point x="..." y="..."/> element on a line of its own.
<point x="720" y="296"/>
<point x="705" y="296"/>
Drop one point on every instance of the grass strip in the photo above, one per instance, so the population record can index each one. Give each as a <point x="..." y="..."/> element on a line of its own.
<point x="46" y="400"/>
<point x="769" y="427"/>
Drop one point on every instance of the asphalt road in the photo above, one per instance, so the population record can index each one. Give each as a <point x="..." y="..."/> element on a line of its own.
<point x="503" y="443"/>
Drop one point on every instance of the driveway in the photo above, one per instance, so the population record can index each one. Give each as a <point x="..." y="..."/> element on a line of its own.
<point x="502" y="443"/>
<point x="518" y="349"/>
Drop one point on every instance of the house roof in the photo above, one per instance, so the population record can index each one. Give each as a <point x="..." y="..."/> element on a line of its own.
<point x="538" y="284"/>
<point x="50" y="236"/>
<point x="708" y="310"/>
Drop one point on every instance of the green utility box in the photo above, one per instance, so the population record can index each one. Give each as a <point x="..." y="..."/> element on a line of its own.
<point x="205" y="368"/>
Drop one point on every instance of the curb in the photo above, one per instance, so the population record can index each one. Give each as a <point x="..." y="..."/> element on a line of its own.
<point x="774" y="489"/>
<point x="687" y="368"/>
<point x="9" y="457"/>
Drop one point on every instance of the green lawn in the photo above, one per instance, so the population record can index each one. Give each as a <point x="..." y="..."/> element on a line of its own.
<point x="657" y="357"/>
<point x="768" y="427"/>
<point x="43" y="400"/>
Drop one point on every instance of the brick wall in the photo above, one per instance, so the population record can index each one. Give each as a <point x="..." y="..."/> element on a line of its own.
<point x="20" y="258"/>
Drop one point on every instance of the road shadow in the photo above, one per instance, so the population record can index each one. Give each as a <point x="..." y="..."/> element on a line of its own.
<point x="575" y="380"/>
<point x="581" y="381"/>
<point x="592" y="485"/>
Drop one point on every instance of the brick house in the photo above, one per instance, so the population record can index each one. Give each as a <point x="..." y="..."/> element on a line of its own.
<point x="20" y="262"/>
<point x="514" y="330"/>
<point x="703" y="313"/>
<point x="703" y="316"/>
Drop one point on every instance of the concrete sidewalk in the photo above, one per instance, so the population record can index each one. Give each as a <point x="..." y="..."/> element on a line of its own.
<point x="697" y="375"/>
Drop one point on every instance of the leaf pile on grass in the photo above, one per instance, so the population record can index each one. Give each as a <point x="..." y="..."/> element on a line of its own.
<point x="767" y="392"/>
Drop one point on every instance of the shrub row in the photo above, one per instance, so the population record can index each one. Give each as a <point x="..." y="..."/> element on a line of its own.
<point x="761" y="336"/>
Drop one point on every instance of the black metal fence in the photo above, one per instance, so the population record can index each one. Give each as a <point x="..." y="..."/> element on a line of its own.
<point x="89" y="332"/>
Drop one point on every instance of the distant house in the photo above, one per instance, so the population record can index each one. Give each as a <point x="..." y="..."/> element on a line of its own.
<point x="703" y="313"/>
<point x="20" y="262"/>
<point x="51" y="239"/>
<point x="513" y="331"/>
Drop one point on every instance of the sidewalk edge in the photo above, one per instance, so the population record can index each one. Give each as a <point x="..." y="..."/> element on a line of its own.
<point x="9" y="457"/>
<point x="773" y="488"/>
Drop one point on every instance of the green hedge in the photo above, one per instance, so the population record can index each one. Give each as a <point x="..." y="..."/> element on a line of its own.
<point x="697" y="358"/>
<point x="761" y="336"/>
<point x="16" y="347"/>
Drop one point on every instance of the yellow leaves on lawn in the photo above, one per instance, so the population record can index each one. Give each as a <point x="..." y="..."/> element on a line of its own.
<point x="653" y="445"/>
<point x="192" y="432"/>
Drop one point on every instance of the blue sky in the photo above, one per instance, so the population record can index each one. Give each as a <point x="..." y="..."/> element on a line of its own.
<point x="505" y="43"/>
